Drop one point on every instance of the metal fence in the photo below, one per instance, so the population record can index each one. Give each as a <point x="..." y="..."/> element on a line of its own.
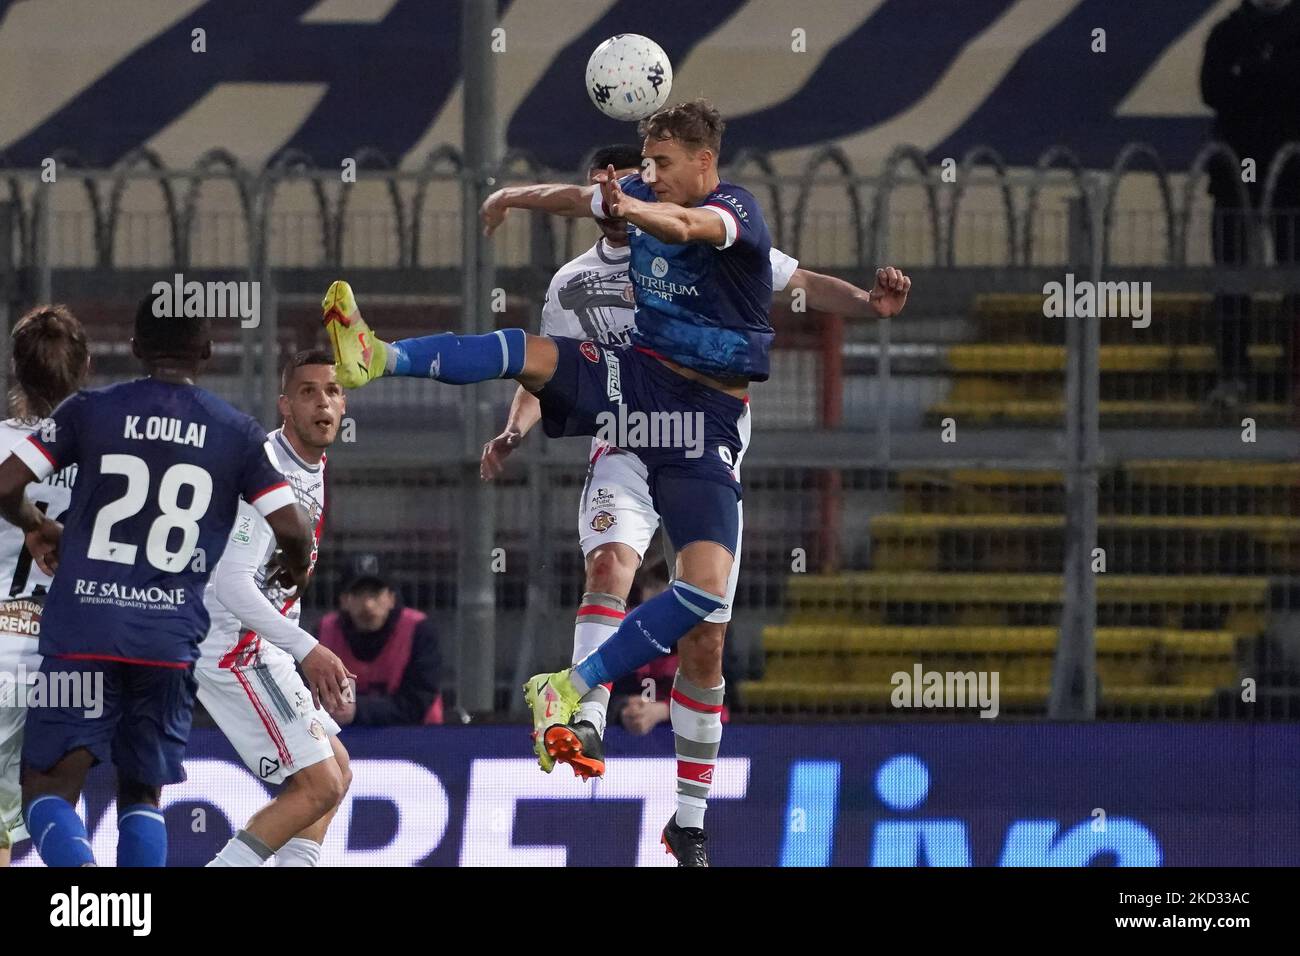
<point x="292" y="215"/>
<point x="979" y="487"/>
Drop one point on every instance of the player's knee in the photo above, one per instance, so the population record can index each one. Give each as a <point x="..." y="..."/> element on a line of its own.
<point x="345" y="770"/>
<point x="323" y="785"/>
<point x="332" y="789"/>
<point x="609" y="571"/>
<point x="711" y="580"/>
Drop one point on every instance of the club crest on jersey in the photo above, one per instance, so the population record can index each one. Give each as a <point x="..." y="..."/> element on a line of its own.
<point x="603" y="521"/>
<point x="589" y="352"/>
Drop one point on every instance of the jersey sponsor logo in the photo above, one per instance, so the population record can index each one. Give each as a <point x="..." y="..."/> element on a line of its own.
<point x="244" y="530"/>
<point x="664" y="288"/>
<point x="613" y="378"/>
<point x="157" y="428"/>
<point x="589" y="352"/>
<point x="650" y="637"/>
<point x="20" y="617"/>
<point x="603" y="521"/>
<point x="125" y="595"/>
<point x="659" y="266"/>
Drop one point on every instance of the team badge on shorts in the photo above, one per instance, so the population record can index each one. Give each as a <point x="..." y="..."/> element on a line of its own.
<point x="316" y="730"/>
<point x="589" y="351"/>
<point x="603" y="521"/>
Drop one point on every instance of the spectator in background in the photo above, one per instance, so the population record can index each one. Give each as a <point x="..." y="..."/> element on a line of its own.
<point x="1250" y="77"/>
<point x="392" y="649"/>
<point x="640" y="701"/>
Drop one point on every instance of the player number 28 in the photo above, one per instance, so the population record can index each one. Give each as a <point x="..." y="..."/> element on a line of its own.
<point x="136" y="471"/>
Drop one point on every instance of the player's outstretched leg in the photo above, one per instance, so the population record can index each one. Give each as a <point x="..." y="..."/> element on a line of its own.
<point x="610" y="571"/>
<point x="648" y="632"/>
<point x="361" y="357"/>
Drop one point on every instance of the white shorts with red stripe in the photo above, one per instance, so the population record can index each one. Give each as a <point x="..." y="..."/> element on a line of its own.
<point x="266" y="711"/>
<point x="616" y="506"/>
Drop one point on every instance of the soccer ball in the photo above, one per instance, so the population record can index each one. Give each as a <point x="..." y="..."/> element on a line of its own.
<point x="629" y="77"/>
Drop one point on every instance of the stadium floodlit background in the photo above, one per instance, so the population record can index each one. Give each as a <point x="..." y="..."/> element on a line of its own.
<point x="925" y="491"/>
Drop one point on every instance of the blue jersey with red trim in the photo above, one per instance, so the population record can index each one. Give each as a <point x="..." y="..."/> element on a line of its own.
<point x="160" y="471"/>
<point x="703" y="306"/>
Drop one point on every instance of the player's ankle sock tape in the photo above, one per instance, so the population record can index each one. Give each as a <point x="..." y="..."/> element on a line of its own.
<point x="141" y="836"/>
<point x="460" y="359"/>
<point x="243" y="850"/>
<point x="650" y="631"/>
<point x="58" y="833"/>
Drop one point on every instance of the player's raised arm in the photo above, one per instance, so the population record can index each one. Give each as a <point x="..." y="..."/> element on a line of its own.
<point x="560" y="199"/>
<point x="825" y="293"/>
<point x="666" y="221"/>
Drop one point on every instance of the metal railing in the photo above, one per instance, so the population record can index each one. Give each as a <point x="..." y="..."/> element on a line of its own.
<point x="412" y="217"/>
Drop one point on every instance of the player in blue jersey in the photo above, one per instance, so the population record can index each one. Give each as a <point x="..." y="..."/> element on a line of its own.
<point x="161" y="467"/>
<point x="702" y="282"/>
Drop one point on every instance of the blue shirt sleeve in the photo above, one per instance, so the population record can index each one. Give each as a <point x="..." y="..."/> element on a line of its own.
<point x="742" y="219"/>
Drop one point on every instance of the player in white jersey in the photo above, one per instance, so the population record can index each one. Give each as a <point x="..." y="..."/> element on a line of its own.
<point x="246" y="670"/>
<point x="50" y="362"/>
<point x="590" y="297"/>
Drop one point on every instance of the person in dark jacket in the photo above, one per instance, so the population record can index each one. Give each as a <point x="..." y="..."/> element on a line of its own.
<point x="1250" y="77"/>
<point x="392" y="649"/>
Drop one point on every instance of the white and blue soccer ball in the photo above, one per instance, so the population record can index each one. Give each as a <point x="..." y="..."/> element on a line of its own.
<point x="629" y="77"/>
